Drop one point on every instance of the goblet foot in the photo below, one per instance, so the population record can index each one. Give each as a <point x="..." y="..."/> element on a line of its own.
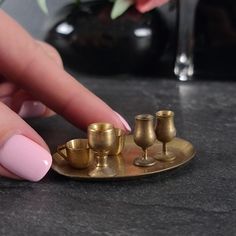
<point x="144" y="162"/>
<point x="165" y="157"/>
<point x="99" y="172"/>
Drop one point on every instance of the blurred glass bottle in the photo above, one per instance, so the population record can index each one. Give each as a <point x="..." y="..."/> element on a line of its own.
<point x="184" y="67"/>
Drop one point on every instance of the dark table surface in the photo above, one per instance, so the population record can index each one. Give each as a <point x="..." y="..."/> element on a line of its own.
<point x="197" y="199"/>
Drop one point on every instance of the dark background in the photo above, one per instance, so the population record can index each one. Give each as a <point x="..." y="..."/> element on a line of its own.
<point x="214" y="35"/>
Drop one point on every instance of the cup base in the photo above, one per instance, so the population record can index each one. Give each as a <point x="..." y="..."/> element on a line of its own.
<point x="100" y="172"/>
<point x="167" y="157"/>
<point x="140" y="161"/>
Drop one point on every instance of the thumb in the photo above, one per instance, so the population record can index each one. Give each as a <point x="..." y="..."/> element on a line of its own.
<point x="23" y="152"/>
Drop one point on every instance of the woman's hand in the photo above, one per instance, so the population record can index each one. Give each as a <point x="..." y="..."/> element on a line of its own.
<point x="33" y="83"/>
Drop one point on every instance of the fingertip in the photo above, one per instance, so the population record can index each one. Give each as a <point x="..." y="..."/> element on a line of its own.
<point x="25" y="158"/>
<point x="123" y="122"/>
<point x="30" y="109"/>
<point x="33" y="109"/>
<point x="22" y="151"/>
<point x="49" y="113"/>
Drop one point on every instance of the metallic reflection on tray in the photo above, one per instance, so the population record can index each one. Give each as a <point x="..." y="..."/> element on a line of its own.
<point x="123" y="163"/>
<point x="110" y="154"/>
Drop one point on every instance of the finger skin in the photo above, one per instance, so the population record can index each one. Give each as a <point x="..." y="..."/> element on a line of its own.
<point x="26" y="64"/>
<point x="51" y="52"/>
<point x="7" y="89"/>
<point x="12" y="124"/>
<point x="20" y="100"/>
<point x="5" y="173"/>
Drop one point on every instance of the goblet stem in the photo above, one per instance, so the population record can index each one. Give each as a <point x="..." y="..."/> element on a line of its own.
<point x="102" y="169"/>
<point x="145" y="160"/>
<point x="145" y="155"/>
<point x="165" y="156"/>
<point x="164" y="149"/>
<point x="101" y="160"/>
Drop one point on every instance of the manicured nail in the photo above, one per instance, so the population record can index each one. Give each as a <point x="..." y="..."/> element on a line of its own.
<point x="124" y="122"/>
<point x="32" y="109"/>
<point x="25" y="158"/>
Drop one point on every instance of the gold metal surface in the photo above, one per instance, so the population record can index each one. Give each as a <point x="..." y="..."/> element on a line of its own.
<point x="101" y="137"/>
<point x="77" y="153"/>
<point x="119" y="142"/>
<point x="123" y="163"/>
<point x="165" y="132"/>
<point x="144" y="137"/>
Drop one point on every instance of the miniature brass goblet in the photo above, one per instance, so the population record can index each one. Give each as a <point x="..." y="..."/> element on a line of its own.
<point x="101" y="137"/>
<point x="144" y="136"/>
<point x="165" y="132"/>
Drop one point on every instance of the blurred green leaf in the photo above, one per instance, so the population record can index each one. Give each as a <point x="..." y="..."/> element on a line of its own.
<point x="119" y="7"/>
<point x="43" y="5"/>
<point x="1" y="1"/>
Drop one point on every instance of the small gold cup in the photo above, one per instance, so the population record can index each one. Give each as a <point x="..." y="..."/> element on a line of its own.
<point x="119" y="142"/>
<point x="77" y="153"/>
<point x="165" y="132"/>
<point x="101" y="137"/>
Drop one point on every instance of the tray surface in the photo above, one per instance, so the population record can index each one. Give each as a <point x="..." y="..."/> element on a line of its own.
<point x="123" y="163"/>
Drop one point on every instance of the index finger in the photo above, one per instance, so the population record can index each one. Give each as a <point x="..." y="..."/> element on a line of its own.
<point x="25" y="63"/>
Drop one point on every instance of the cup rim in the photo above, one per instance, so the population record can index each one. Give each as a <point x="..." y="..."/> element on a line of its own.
<point x="102" y="125"/>
<point x="164" y="113"/>
<point x="86" y="147"/>
<point x="144" y="117"/>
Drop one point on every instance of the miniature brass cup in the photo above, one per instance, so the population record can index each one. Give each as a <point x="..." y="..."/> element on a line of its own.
<point x="77" y="153"/>
<point x="119" y="142"/>
<point x="165" y="132"/>
<point x="101" y="137"/>
<point x="144" y="136"/>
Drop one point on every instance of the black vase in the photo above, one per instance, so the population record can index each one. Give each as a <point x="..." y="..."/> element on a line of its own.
<point x="90" y="41"/>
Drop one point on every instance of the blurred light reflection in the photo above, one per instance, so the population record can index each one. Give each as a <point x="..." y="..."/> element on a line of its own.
<point x="142" y="32"/>
<point x="64" y="28"/>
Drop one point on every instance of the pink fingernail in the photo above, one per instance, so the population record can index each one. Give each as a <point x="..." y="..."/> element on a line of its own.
<point x="25" y="158"/>
<point x="124" y="122"/>
<point x="32" y="109"/>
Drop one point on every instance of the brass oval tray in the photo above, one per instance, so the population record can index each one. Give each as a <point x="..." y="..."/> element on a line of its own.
<point x="183" y="150"/>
